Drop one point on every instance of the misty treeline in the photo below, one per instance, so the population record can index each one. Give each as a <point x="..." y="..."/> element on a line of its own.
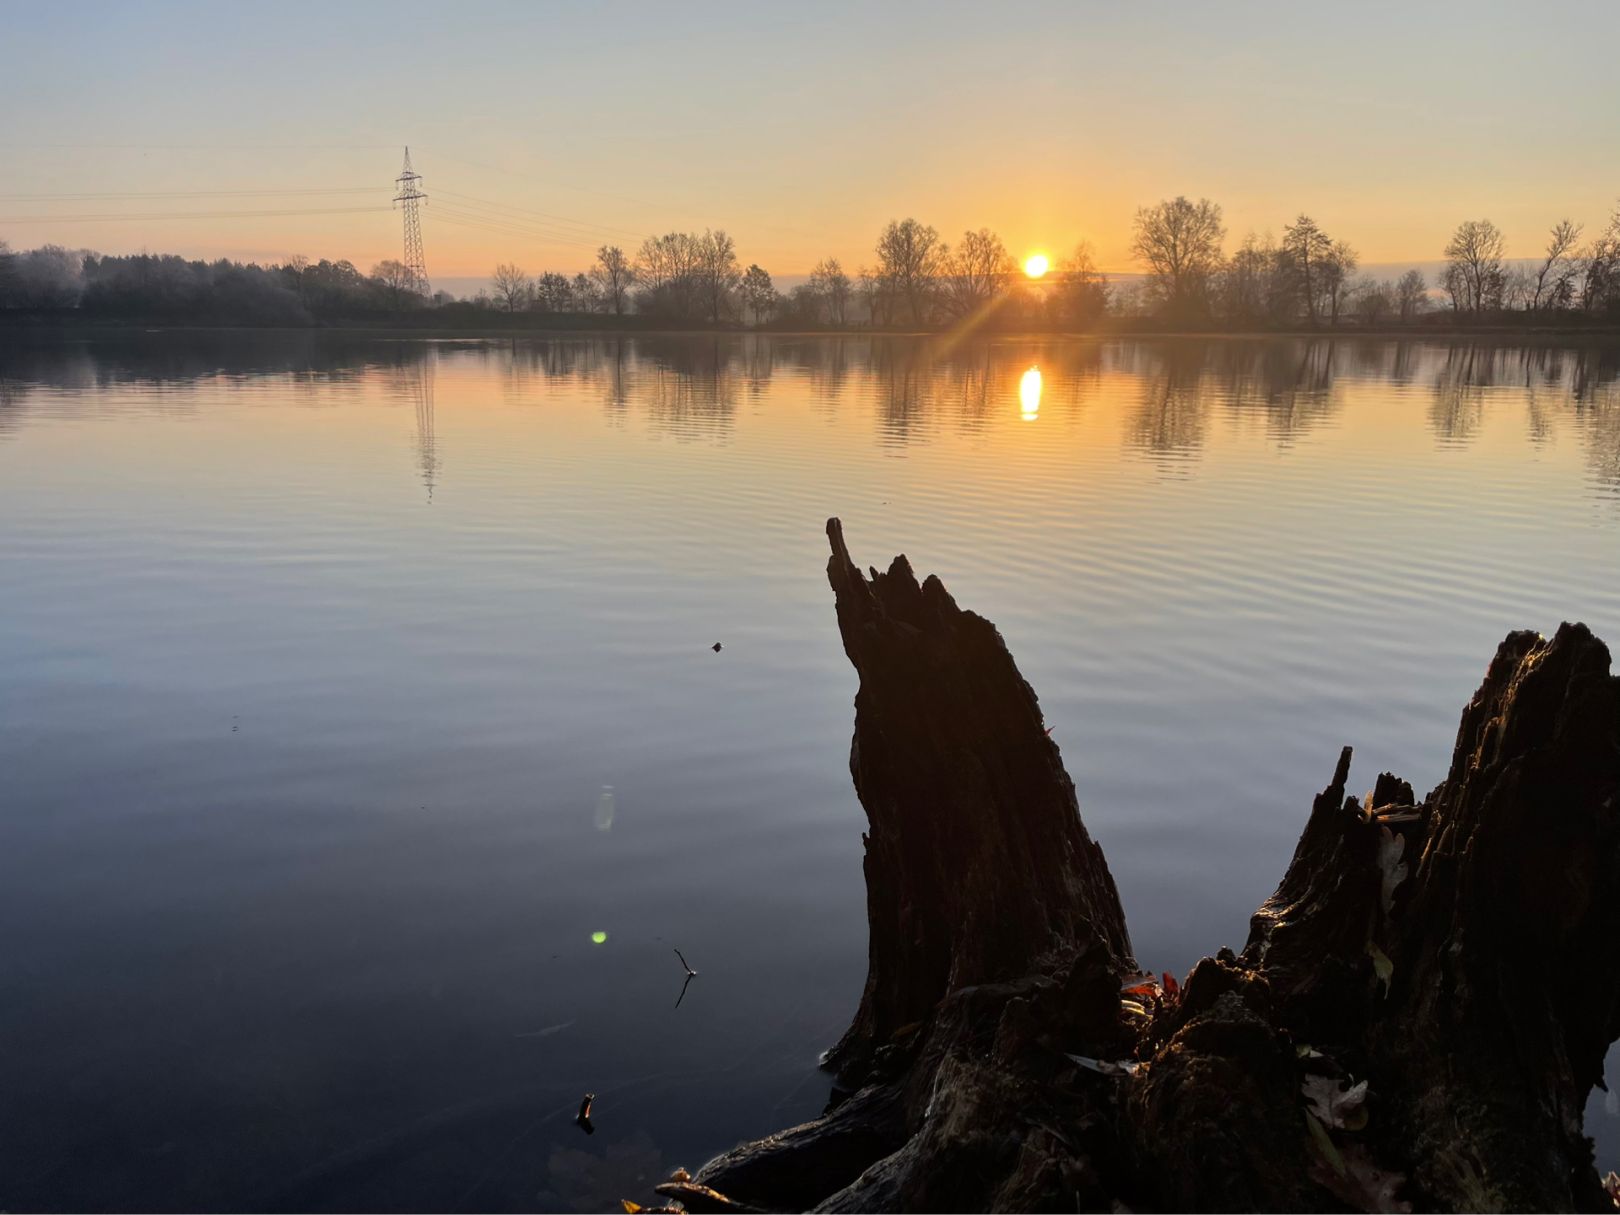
<point x="171" y="288"/>
<point x="1307" y="277"/>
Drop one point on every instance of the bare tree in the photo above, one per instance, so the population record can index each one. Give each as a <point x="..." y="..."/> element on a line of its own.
<point x="831" y="286"/>
<point x="718" y="273"/>
<point x="1518" y="288"/>
<point x="667" y="270"/>
<point x="908" y="259"/>
<point x="1079" y="292"/>
<point x="511" y="285"/>
<point x="1337" y="267"/>
<point x="614" y="276"/>
<point x="1600" y="269"/>
<point x="552" y="293"/>
<point x="1474" y="252"/>
<point x="587" y="295"/>
<point x="1374" y="301"/>
<point x="1456" y="287"/>
<point x="1307" y="247"/>
<point x="1553" y="286"/>
<point x="975" y="272"/>
<point x="1258" y="283"/>
<point x="1180" y="243"/>
<point x="293" y="269"/>
<point x="1411" y="294"/>
<point x="395" y="278"/>
<point x="876" y="291"/>
<point x="758" y="293"/>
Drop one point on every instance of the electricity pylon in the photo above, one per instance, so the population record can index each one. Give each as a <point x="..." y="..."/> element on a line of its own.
<point x="410" y="194"/>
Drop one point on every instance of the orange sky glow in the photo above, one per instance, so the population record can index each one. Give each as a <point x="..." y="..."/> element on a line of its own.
<point x="541" y="135"/>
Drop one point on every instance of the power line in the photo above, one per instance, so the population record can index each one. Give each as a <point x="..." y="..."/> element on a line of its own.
<point x="141" y="194"/>
<point x="461" y="219"/>
<point x="580" y="223"/>
<point x="203" y="147"/>
<point x="166" y="215"/>
<point x="640" y="202"/>
<point x="522" y="226"/>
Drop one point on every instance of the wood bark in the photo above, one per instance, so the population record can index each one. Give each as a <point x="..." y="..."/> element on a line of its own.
<point x="1415" y="1021"/>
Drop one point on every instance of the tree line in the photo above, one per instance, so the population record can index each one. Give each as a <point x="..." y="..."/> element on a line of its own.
<point x="916" y="280"/>
<point x="1308" y="276"/>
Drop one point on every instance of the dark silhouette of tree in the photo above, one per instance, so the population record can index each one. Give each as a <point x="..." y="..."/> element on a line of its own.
<point x="909" y="257"/>
<point x="830" y="286"/>
<point x="1374" y="301"/>
<point x="758" y="293"/>
<point x="1180" y="243"/>
<point x="614" y="276"/>
<point x="1307" y="247"/>
<point x="718" y="273"/>
<point x="1553" y="287"/>
<point x="1078" y="292"/>
<point x="975" y="272"/>
<point x="1600" y="270"/>
<point x="1337" y="267"/>
<point x="396" y="280"/>
<point x="553" y="292"/>
<point x="511" y="285"/>
<point x="666" y="269"/>
<point x="1257" y="284"/>
<point x="47" y="278"/>
<point x="1411" y="294"/>
<point x="293" y="271"/>
<point x="877" y="293"/>
<point x="803" y="305"/>
<point x="1474" y="275"/>
<point x="586" y="295"/>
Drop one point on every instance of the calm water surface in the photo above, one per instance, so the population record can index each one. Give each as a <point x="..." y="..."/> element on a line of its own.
<point x="363" y="754"/>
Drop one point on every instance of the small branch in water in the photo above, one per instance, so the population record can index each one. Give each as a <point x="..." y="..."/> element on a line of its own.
<point x="690" y="975"/>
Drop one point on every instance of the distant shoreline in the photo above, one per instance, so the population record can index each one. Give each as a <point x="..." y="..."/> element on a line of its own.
<point x="529" y="326"/>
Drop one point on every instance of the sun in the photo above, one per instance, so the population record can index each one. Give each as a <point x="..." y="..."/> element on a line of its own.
<point x="1036" y="265"/>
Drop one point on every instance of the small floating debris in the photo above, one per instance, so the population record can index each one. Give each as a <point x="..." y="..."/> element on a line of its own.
<point x="1106" y="1067"/>
<point x="717" y="647"/>
<point x="606" y="809"/>
<point x="546" y="1032"/>
<point x="690" y="975"/>
<point x="583" y="1118"/>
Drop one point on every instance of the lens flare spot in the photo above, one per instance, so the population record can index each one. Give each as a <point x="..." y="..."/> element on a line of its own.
<point x="1029" y="394"/>
<point x="598" y="938"/>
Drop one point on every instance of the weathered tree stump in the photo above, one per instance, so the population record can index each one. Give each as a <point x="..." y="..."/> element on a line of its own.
<point x="1415" y="1021"/>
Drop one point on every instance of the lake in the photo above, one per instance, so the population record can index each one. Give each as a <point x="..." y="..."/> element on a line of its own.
<point x="365" y="756"/>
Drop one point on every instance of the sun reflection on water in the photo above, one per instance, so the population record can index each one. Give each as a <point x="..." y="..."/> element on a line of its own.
<point x="1029" y="394"/>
